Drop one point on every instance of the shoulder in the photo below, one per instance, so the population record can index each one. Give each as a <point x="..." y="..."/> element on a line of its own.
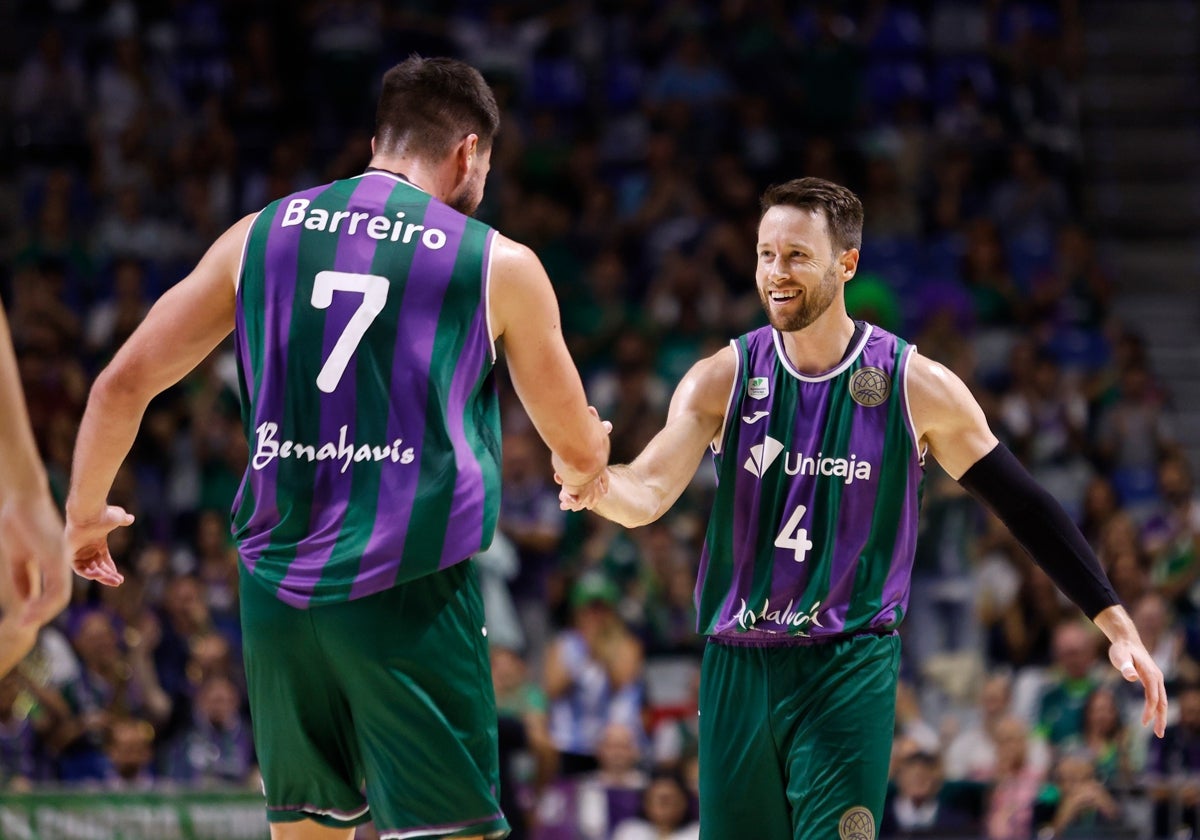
<point x="508" y="254"/>
<point x="709" y="382"/>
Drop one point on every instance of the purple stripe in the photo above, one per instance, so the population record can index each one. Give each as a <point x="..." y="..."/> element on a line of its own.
<point x="465" y="538"/>
<point x="331" y="486"/>
<point x="281" y="255"/>
<point x="429" y="276"/>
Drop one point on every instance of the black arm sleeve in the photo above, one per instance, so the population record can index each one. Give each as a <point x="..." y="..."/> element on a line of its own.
<point x="1042" y="527"/>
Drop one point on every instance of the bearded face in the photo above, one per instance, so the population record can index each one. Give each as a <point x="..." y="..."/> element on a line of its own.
<point x="797" y="276"/>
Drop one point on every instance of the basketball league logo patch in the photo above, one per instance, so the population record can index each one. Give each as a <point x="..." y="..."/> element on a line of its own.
<point x="870" y="386"/>
<point x="857" y="824"/>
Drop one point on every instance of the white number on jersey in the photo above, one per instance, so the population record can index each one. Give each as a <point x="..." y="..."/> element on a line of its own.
<point x="374" y="290"/>
<point x="793" y="536"/>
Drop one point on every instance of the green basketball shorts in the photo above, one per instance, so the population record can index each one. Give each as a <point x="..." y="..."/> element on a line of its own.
<point x="377" y="709"/>
<point x="795" y="740"/>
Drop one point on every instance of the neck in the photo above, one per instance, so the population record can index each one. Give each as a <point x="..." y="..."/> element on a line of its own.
<point x="419" y="172"/>
<point x="822" y="344"/>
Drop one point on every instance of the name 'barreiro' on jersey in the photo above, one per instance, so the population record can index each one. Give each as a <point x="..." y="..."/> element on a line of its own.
<point x="381" y="228"/>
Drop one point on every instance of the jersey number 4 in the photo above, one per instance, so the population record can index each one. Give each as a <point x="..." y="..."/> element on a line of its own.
<point x="374" y="291"/>
<point x="793" y="536"/>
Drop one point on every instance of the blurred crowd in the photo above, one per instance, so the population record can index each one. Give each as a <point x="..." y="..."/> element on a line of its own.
<point x="636" y="138"/>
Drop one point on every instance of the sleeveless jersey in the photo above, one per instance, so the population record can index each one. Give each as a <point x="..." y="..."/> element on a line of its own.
<point x="814" y="523"/>
<point x="365" y="361"/>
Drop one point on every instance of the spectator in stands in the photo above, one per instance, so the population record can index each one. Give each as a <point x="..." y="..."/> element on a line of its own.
<point x="665" y="813"/>
<point x="1173" y="768"/>
<point x="1009" y="814"/>
<point x="1077" y="804"/>
<point x="111" y="683"/>
<point x="20" y="727"/>
<point x="971" y="754"/>
<point x="217" y="747"/>
<point x="1132" y="434"/>
<point x="1104" y="740"/>
<point x="527" y="755"/>
<point x="592" y="675"/>
<point x="591" y="805"/>
<point x="918" y="802"/>
<point x="1062" y="703"/>
<point x="129" y="747"/>
<point x="1172" y="534"/>
<point x="531" y="520"/>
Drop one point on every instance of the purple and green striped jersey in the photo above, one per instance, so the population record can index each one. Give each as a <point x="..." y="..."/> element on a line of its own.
<point x="814" y="524"/>
<point x="365" y="360"/>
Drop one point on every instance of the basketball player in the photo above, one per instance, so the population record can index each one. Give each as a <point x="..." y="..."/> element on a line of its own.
<point x="365" y="314"/>
<point x="34" y="572"/>
<point x="820" y="426"/>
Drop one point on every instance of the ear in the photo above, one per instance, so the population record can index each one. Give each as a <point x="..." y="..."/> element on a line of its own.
<point x="849" y="263"/>
<point x="372" y="145"/>
<point x="466" y="154"/>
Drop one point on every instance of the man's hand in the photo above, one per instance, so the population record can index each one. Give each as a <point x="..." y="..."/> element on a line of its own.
<point x="35" y="578"/>
<point x="87" y="544"/>
<point x="582" y="496"/>
<point x="1131" y="658"/>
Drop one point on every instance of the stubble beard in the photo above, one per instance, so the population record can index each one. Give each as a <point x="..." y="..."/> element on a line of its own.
<point x="813" y="304"/>
<point x="468" y="198"/>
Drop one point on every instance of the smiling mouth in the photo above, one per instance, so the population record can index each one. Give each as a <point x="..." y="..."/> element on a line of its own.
<point x="778" y="296"/>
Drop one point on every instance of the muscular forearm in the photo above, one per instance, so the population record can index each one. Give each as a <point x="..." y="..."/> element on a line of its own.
<point x="21" y="469"/>
<point x="630" y="501"/>
<point x="106" y="434"/>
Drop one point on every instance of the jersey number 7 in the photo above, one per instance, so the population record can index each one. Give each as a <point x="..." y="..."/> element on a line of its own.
<point x="374" y="290"/>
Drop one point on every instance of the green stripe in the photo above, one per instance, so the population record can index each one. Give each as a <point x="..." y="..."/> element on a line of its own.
<point x="431" y="510"/>
<point x="867" y="599"/>
<point x="718" y="576"/>
<point x="251" y="289"/>
<point x="374" y="360"/>
<point x="301" y="402"/>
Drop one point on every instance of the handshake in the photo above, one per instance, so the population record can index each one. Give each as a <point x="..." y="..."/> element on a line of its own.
<point x="580" y="492"/>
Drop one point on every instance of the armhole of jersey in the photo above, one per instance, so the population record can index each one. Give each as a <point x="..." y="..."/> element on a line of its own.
<point x="237" y="278"/>
<point x="487" y="292"/>
<point x="912" y="427"/>
<point x="737" y="377"/>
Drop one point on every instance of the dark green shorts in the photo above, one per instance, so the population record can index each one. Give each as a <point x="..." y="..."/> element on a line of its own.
<point x="795" y="741"/>
<point x="385" y="700"/>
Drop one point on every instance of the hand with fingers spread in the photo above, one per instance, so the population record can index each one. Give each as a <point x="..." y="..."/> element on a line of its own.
<point x="87" y="544"/>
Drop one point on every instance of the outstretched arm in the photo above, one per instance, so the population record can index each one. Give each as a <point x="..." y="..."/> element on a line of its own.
<point x="180" y="330"/>
<point x="524" y="311"/>
<point x="34" y="577"/>
<point x="642" y="491"/>
<point x="948" y="418"/>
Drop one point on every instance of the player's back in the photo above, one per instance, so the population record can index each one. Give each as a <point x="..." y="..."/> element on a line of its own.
<point x="365" y="361"/>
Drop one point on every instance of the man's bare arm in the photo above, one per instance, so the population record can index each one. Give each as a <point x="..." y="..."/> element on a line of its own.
<point x="948" y="418"/>
<point x="34" y="576"/>
<point x="180" y="330"/>
<point x="524" y="312"/>
<point x="642" y="491"/>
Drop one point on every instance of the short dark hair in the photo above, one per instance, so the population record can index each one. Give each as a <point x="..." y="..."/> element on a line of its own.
<point x="841" y="207"/>
<point x="427" y="105"/>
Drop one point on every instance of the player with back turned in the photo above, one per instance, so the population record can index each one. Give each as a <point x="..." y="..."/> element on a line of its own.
<point x="820" y="426"/>
<point x="365" y="314"/>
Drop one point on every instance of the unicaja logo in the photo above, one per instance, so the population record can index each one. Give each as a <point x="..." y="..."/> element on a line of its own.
<point x="763" y="455"/>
